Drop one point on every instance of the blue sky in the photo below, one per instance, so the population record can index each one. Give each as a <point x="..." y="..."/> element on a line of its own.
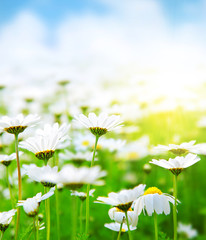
<point x="53" y="11"/>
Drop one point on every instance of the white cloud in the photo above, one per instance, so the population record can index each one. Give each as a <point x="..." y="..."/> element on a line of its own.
<point x="134" y="37"/>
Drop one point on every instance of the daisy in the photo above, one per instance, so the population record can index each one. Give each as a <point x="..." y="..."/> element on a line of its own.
<point x="100" y="125"/>
<point x="181" y="149"/>
<point x="176" y="165"/>
<point x="153" y="200"/>
<point x="78" y="157"/>
<point x="18" y="124"/>
<point x="7" y="159"/>
<point x="187" y="230"/>
<point x="116" y="227"/>
<point x="31" y="205"/>
<point x="55" y="129"/>
<point x="119" y="216"/>
<point x="44" y="144"/>
<point x="46" y="175"/>
<point x="82" y="195"/>
<point x="74" y="178"/>
<point x="5" y="219"/>
<point x="123" y="200"/>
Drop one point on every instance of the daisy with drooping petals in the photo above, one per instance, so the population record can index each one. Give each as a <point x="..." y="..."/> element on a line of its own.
<point x="154" y="201"/>
<point x="176" y="165"/>
<point x="31" y="205"/>
<point x="18" y="124"/>
<point x="122" y="200"/>
<point x="100" y="125"/>
<point x="5" y="219"/>
<point x="46" y="175"/>
<point x="181" y="149"/>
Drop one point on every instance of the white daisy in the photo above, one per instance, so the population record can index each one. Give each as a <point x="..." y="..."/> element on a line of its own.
<point x="116" y="227"/>
<point x="118" y="216"/>
<point x="183" y="148"/>
<point x="123" y="199"/>
<point x="31" y="205"/>
<point x="5" y="219"/>
<point x="74" y="178"/>
<point x="44" y="144"/>
<point x="187" y="230"/>
<point x="176" y="165"/>
<point x="82" y="195"/>
<point x="54" y="130"/>
<point x="76" y="157"/>
<point x="46" y="175"/>
<point x="153" y="200"/>
<point x="100" y="125"/>
<point x="7" y="159"/>
<point x="18" y="124"/>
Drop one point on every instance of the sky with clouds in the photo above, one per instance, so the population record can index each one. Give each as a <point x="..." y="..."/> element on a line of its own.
<point x="92" y="40"/>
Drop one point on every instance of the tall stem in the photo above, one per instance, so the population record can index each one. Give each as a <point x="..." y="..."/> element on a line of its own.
<point x="74" y="217"/>
<point x="2" y="235"/>
<point x="175" y="206"/>
<point x="19" y="184"/>
<point x="57" y="212"/>
<point x="81" y="216"/>
<point x="47" y="213"/>
<point x="155" y="226"/>
<point x="88" y="188"/>
<point x="34" y="227"/>
<point x="120" y="230"/>
<point x="37" y="228"/>
<point x="48" y="218"/>
<point x="9" y="186"/>
<point x="56" y="163"/>
<point x="129" y="232"/>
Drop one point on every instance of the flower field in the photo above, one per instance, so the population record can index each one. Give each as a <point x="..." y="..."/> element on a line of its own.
<point x="94" y="167"/>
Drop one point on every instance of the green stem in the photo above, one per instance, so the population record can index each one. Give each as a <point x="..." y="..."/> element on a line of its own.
<point x="175" y="206"/>
<point x="37" y="228"/>
<point x="57" y="212"/>
<point x="47" y="213"/>
<point x="9" y="186"/>
<point x="34" y="227"/>
<point x="19" y="185"/>
<point x="88" y="188"/>
<point x="74" y="217"/>
<point x="155" y="226"/>
<point x="120" y="230"/>
<point x="2" y="235"/>
<point x="129" y="232"/>
<point x="81" y="216"/>
<point x="95" y="147"/>
<point x="48" y="218"/>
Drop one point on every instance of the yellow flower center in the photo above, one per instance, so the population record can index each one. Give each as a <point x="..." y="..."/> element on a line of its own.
<point x="85" y="143"/>
<point x="152" y="190"/>
<point x="123" y="230"/>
